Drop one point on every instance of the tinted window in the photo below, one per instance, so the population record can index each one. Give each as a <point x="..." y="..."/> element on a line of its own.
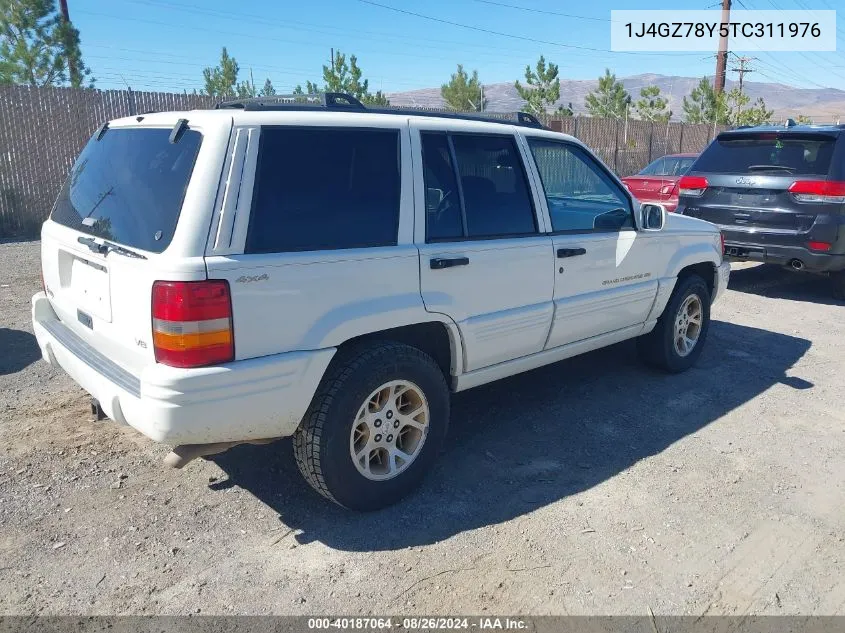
<point x="773" y="153"/>
<point x="669" y="166"/>
<point x="128" y="187"/>
<point x="496" y="196"/>
<point x="657" y="168"/>
<point x="325" y="188"/>
<point x="442" y="200"/>
<point x="580" y="195"/>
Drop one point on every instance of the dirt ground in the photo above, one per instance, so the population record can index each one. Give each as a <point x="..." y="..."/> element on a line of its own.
<point x="593" y="486"/>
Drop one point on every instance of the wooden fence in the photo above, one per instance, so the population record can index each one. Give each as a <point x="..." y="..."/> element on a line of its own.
<point x="42" y="130"/>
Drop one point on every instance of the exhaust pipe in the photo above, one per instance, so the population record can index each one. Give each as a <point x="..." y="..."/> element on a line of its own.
<point x="796" y="264"/>
<point x="185" y="453"/>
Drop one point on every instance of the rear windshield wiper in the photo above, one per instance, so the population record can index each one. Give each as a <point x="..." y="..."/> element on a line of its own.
<point x="767" y="167"/>
<point x="107" y="247"/>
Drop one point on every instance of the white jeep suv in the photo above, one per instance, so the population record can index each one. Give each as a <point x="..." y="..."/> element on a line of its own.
<point x="331" y="272"/>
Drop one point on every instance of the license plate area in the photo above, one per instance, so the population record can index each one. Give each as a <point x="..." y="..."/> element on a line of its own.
<point x="85" y="319"/>
<point x="88" y="288"/>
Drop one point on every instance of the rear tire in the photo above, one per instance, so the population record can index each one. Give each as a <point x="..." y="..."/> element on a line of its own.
<point x="375" y="425"/>
<point x="677" y="340"/>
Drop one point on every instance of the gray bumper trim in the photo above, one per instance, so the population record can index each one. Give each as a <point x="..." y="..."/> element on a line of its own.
<point x="94" y="359"/>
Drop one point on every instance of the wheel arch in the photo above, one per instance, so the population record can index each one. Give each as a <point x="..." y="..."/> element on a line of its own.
<point x="438" y="337"/>
<point x="702" y="261"/>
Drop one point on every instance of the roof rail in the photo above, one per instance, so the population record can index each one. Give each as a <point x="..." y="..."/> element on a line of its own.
<point x="342" y="101"/>
<point x="338" y="100"/>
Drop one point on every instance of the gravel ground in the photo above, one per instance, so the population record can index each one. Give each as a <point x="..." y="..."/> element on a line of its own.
<point x="593" y="486"/>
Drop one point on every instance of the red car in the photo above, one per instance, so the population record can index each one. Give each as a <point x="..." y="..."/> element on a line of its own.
<point x="659" y="181"/>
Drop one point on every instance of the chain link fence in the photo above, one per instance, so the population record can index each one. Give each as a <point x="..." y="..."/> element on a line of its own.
<point x="42" y="130"/>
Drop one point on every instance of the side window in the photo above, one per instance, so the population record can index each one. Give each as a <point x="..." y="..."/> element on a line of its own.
<point x="325" y="188"/>
<point x="497" y="201"/>
<point x="443" y="214"/>
<point x="483" y="194"/>
<point x="580" y="195"/>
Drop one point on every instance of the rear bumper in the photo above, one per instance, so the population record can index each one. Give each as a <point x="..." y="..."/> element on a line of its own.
<point x="243" y="400"/>
<point x="783" y="255"/>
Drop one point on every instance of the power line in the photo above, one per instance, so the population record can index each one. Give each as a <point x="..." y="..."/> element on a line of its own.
<point x="378" y="36"/>
<point x="543" y="11"/>
<point x="779" y="66"/>
<point x="509" y="35"/>
<point x="253" y="36"/>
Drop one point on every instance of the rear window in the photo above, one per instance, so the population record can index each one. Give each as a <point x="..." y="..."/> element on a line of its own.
<point x="768" y="153"/>
<point x="129" y="186"/>
<point x="325" y="188"/>
<point x="669" y="166"/>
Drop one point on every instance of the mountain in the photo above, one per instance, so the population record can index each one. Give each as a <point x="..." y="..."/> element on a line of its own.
<point x="822" y="104"/>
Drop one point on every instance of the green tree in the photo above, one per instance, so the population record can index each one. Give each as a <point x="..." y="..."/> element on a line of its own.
<point x="268" y="90"/>
<point x="610" y="99"/>
<point x="651" y="106"/>
<point x="310" y="89"/>
<point x="705" y="106"/>
<point x="565" y="111"/>
<point x="542" y="89"/>
<point x="739" y="112"/>
<point x="464" y="92"/>
<point x="803" y="119"/>
<point x="222" y="80"/>
<point x="346" y="77"/>
<point x="37" y="47"/>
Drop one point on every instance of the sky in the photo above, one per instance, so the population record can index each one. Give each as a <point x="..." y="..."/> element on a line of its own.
<point x="163" y="45"/>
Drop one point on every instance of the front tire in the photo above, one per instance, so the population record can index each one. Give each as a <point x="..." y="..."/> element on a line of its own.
<point x="677" y="340"/>
<point x="375" y="425"/>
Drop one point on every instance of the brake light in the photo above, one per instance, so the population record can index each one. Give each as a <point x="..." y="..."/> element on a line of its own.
<point x="693" y="186"/>
<point x="722" y="235"/>
<point x="819" y="246"/>
<point x="828" y="191"/>
<point x="192" y="323"/>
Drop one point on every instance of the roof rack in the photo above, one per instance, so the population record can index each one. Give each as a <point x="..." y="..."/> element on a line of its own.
<point x="342" y="101"/>
<point x="295" y="101"/>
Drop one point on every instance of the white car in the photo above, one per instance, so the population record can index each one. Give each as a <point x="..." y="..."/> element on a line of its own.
<point x="332" y="272"/>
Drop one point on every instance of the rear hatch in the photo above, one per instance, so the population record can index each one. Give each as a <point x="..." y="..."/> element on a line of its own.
<point x="745" y="182"/>
<point x="131" y="212"/>
<point x="657" y="188"/>
<point x="657" y="181"/>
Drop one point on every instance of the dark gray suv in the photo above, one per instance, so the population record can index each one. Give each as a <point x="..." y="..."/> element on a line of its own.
<point x="778" y="195"/>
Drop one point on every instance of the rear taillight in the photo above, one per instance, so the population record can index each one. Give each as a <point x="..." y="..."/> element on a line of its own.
<point x="693" y="186"/>
<point x="819" y="246"/>
<point x="830" y="191"/>
<point x="722" y="236"/>
<point x="192" y="323"/>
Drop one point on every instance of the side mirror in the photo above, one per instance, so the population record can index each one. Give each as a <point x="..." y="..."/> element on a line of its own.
<point x="652" y="217"/>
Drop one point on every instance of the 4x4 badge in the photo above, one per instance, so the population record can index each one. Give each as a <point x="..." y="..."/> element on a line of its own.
<point x="245" y="279"/>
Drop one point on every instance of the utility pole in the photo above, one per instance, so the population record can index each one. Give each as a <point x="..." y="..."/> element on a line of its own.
<point x="71" y="61"/>
<point x="722" y="57"/>
<point x="741" y="70"/>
